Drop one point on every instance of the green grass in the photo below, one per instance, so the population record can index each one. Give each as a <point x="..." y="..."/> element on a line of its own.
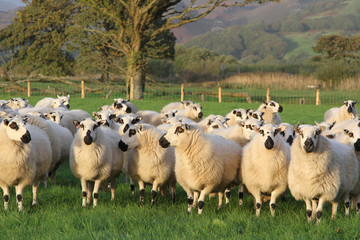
<point x="59" y="214"/>
<point x="299" y="43"/>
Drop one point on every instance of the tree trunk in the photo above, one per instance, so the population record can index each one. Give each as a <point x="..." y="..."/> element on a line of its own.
<point x="135" y="79"/>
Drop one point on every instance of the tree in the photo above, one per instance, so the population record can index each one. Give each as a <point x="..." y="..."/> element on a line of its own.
<point x="137" y="25"/>
<point x="35" y="39"/>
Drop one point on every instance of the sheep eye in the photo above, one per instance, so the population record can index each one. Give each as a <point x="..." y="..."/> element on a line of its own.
<point x="351" y="135"/>
<point x="215" y="127"/>
<point x="179" y="130"/>
<point x="173" y="114"/>
<point x="167" y="115"/>
<point x="272" y="104"/>
<point x="122" y="121"/>
<point x="133" y="121"/>
<point x="132" y="132"/>
<point x="255" y="115"/>
<point x="14" y="126"/>
<point x="262" y="132"/>
<point x="234" y="112"/>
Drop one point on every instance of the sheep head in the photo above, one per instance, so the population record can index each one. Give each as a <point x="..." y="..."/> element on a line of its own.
<point x="267" y="134"/>
<point x="309" y="137"/>
<point x="87" y="130"/>
<point x="177" y="134"/>
<point x="16" y="129"/>
<point x="354" y="137"/>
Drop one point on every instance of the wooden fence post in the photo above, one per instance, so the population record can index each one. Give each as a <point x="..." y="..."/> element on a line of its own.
<point x="132" y="88"/>
<point x="268" y="94"/>
<point x="220" y="95"/>
<point x="29" y="88"/>
<point x="182" y="93"/>
<point x="317" y="97"/>
<point x="82" y="89"/>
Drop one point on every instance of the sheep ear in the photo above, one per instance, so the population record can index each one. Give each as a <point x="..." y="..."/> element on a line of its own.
<point x="281" y="128"/>
<point x="256" y="129"/>
<point x="227" y="119"/>
<point x="187" y="127"/>
<point x="6" y="122"/>
<point x="112" y="116"/>
<point x="332" y="125"/>
<point x="100" y="109"/>
<point x="94" y="114"/>
<point x="354" y="102"/>
<point x="316" y="123"/>
<point x="141" y="127"/>
<point x="68" y="96"/>
<point x="296" y="128"/>
<point x="76" y="123"/>
<point x="209" y="122"/>
<point x="163" y="120"/>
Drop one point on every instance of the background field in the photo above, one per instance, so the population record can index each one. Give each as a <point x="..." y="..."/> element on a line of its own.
<point x="59" y="214"/>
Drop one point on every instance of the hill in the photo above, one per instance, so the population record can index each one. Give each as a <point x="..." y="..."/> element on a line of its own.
<point x="283" y="32"/>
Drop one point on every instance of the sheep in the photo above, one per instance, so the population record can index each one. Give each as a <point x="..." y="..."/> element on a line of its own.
<point x="106" y="118"/>
<point x="287" y="132"/>
<point x="151" y="117"/>
<point x="95" y="157"/>
<point x="54" y="116"/>
<point x="49" y="102"/>
<point x="70" y="116"/>
<point x="204" y="163"/>
<point x="322" y="169"/>
<point x="235" y="133"/>
<point x="271" y="111"/>
<point x="339" y="114"/>
<point x="150" y="162"/>
<point x="17" y="103"/>
<point x="238" y="114"/>
<point x="264" y="166"/>
<point x="176" y="106"/>
<point x="25" y="156"/>
<point x="352" y="138"/>
<point x="346" y="124"/>
<point x="255" y="114"/>
<point x="192" y="111"/>
<point x="124" y="105"/>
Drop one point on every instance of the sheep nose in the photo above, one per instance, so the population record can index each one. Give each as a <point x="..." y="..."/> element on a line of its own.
<point x="280" y="108"/>
<point x="67" y="106"/>
<point x="357" y="145"/>
<point x="88" y="139"/>
<point x="238" y="114"/>
<point x="26" y="138"/>
<point x="123" y="146"/>
<point x="349" y="109"/>
<point x="290" y="140"/>
<point x="269" y="143"/>
<point x="200" y="115"/>
<point x="164" y="142"/>
<point x="309" y="145"/>
<point x="128" y="110"/>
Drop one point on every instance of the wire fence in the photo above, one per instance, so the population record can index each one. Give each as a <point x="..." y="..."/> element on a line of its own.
<point x="211" y="92"/>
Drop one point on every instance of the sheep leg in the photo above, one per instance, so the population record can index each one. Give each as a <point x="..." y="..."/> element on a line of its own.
<point x="6" y="196"/>
<point x="90" y="192"/>
<point x="241" y="193"/>
<point x="334" y="207"/>
<point x="203" y="194"/>
<point x="154" y="192"/>
<point x="173" y="192"/>
<point x="196" y="197"/>
<point x="221" y="196"/>
<point x="132" y="185"/>
<point x="142" y="191"/>
<point x="347" y="204"/>
<point x="53" y="177"/>
<point x="34" y="190"/>
<point x="274" y="195"/>
<point x="96" y="192"/>
<point x="314" y="204"/>
<point x="309" y="210"/>
<point x="19" y="196"/>
<point x="227" y="195"/>
<point x="190" y="196"/>
<point x="357" y="202"/>
<point x="84" y="191"/>
<point x="319" y="209"/>
<point x="257" y="196"/>
<point x="113" y="188"/>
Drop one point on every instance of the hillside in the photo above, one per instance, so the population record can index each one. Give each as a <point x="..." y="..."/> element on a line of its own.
<point x="286" y="37"/>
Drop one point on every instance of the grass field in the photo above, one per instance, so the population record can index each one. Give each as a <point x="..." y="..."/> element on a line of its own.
<point x="59" y="214"/>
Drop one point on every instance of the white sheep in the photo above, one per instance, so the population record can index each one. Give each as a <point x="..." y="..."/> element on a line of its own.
<point x="49" y="102"/>
<point x="321" y="169"/>
<point x="192" y="111"/>
<point x="54" y="116"/>
<point x="204" y="163"/>
<point x="287" y="132"/>
<point x="150" y="163"/>
<point x="255" y="114"/>
<point x="95" y="157"/>
<point x="271" y="111"/>
<point x="238" y="114"/>
<point x="264" y="166"/>
<point x="352" y="139"/>
<point x="151" y="117"/>
<point x="25" y="156"/>
<point x="17" y="103"/>
<point x="124" y="106"/>
<point x="235" y="133"/>
<point x="106" y="118"/>
<point x="339" y="114"/>
<point x="176" y="106"/>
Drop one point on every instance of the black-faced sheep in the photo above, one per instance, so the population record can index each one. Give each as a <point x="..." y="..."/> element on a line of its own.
<point x="204" y="163"/>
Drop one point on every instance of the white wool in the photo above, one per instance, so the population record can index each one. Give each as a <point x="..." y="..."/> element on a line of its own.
<point x="338" y="114"/>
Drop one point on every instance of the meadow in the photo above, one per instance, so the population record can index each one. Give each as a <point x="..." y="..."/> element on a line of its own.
<point x="59" y="214"/>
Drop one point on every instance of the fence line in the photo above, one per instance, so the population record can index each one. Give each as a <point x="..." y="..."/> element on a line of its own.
<point x="174" y="92"/>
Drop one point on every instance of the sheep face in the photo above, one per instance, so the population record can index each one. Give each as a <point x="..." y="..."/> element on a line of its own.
<point x="250" y="126"/>
<point x="350" y="106"/>
<point x="16" y="130"/>
<point x="54" y="116"/>
<point x="57" y="103"/>
<point x="170" y="114"/>
<point x="118" y="103"/>
<point x="17" y="103"/>
<point x="275" y="106"/>
<point x="131" y="138"/>
<point x="354" y="137"/>
<point x="309" y="137"/>
<point x="287" y="132"/>
<point x="65" y="100"/>
<point x="187" y="103"/>
<point x="255" y="114"/>
<point x="196" y="110"/>
<point x="87" y="129"/>
<point x="178" y="133"/>
<point x="267" y="133"/>
<point x="104" y="117"/>
<point x="215" y="124"/>
<point x="122" y="108"/>
<point x="126" y="122"/>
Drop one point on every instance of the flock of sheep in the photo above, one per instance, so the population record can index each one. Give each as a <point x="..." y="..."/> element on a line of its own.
<point x="249" y="149"/>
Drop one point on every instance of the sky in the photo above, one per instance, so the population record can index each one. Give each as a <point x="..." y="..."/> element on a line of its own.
<point x="17" y="3"/>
